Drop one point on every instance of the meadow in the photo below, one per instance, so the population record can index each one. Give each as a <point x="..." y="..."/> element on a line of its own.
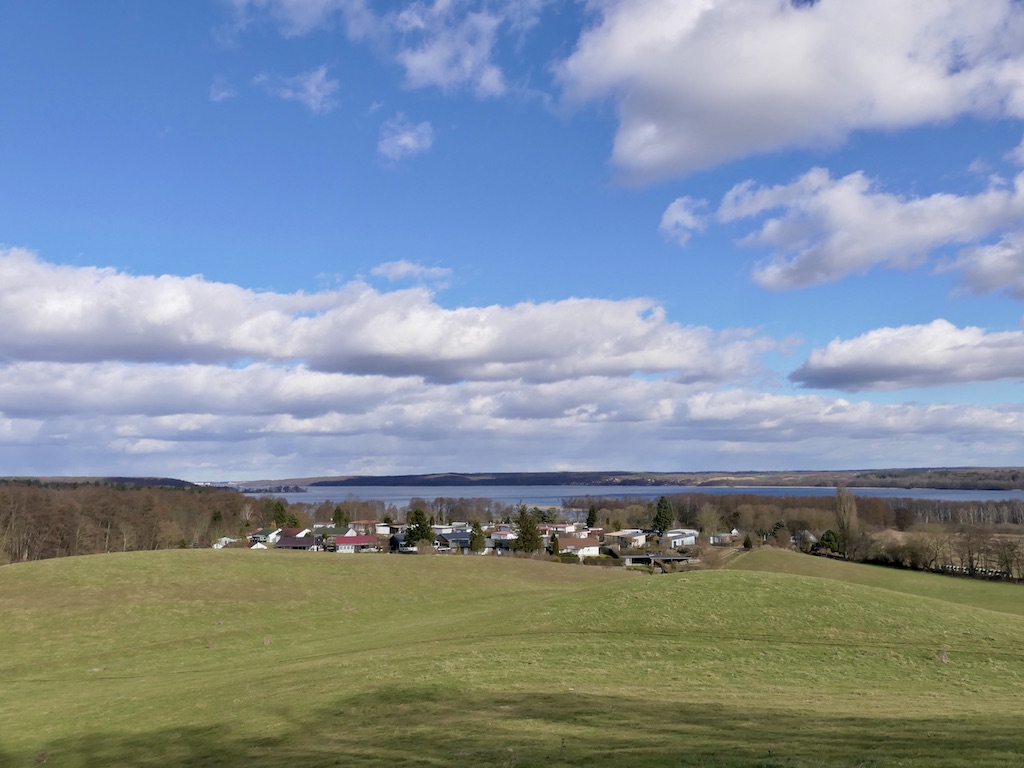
<point x="232" y="657"/>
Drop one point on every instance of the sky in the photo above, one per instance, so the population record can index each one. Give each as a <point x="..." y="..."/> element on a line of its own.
<point x="252" y="239"/>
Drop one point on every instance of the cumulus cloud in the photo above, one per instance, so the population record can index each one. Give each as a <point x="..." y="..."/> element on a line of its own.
<point x="992" y="268"/>
<point x="72" y="314"/>
<point x="682" y="218"/>
<point x="110" y="373"/>
<point x="400" y="138"/>
<point x="827" y="229"/>
<point x="450" y="51"/>
<point x="313" y="89"/>
<point x="935" y="354"/>
<point x="700" y="83"/>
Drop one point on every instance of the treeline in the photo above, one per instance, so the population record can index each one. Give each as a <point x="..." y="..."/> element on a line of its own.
<point x="44" y="519"/>
<point x="749" y="512"/>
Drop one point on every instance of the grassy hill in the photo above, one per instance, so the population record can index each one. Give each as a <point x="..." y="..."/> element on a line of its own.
<point x="214" y="658"/>
<point x="996" y="596"/>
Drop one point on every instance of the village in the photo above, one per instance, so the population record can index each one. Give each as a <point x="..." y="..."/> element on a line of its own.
<point x="631" y="546"/>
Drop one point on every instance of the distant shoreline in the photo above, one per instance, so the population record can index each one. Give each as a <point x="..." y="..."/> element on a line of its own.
<point x="960" y="478"/>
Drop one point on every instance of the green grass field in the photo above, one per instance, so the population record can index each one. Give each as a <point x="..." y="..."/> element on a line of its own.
<point x="214" y="658"/>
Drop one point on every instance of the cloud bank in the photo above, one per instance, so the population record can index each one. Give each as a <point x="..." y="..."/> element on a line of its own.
<point x="105" y="372"/>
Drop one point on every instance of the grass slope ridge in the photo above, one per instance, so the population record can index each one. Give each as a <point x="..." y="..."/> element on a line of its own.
<point x="996" y="596"/>
<point x="207" y="658"/>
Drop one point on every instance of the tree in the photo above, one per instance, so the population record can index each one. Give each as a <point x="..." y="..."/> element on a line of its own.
<point x="527" y="533"/>
<point x="829" y="541"/>
<point x="846" y="522"/>
<point x="417" y="529"/>
<point x="554" y="546"/>
<point x="663" y="515"/>
<point x="477" y="541"/>
<point x="592" y="516"/>
<point x="709" y="520"/>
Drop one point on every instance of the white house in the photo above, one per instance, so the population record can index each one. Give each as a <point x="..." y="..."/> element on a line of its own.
<point x="680" y="537"/>
<point x="573" y="545"/>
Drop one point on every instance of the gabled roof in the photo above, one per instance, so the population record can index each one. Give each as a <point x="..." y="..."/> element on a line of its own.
<point x="569" y="543"/>
<point x="294" y="531"/>
<point x="456" y="536"/>
<point x="264" y="532"/>
<point x="358" y="541"/>
<point x="294" y="542"/>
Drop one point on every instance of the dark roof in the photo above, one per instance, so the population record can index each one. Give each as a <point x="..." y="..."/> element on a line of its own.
<point x="295" y="542"/>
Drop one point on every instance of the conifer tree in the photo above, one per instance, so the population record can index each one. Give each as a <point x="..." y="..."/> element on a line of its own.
<point x="527" y="533"/>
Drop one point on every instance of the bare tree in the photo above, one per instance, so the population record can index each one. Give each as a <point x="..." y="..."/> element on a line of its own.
<point x="846" y="522"/>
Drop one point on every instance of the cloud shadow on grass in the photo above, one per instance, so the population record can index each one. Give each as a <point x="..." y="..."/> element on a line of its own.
<point x="410" y="725"/>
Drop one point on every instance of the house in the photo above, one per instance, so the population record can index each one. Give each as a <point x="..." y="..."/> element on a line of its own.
<point x="454" y="541"/>
<point x="351" y="544"/>
<point x="680" y="537"/>
<point x="308" y="543"/>
<point x="629" y="538"/>
<point x="503" y="535"/>
<point x="654" y="560"/>
<point x="721" y="539"/>
<point x="557" y="529"/>
<point x="398" y="543"/>
<point x="223" y="541"/>
<point x="294" y="532"/>
<point x="370" y="528"/>
<point x="571" y="545"/>
<point x="263" y="536"/>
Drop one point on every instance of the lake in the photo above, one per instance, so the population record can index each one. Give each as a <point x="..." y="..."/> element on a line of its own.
<point x="552" y="495"/>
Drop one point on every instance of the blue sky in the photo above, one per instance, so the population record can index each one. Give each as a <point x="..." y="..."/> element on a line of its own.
<point x="246" y="239"/>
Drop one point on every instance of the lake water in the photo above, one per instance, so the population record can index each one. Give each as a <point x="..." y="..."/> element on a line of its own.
<point x="552" y="495"/>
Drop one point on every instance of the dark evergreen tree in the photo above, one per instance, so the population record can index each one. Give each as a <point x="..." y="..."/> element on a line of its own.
<point x="417" y="529"/>
<point x="663" y="515"/>
<point x="527" y="533"/>
<point x="477" y="540"/>
<point x="592" y="516"/>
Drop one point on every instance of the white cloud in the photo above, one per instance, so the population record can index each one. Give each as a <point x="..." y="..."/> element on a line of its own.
<point x="702" y="82"/>
<point x="992" y="268"/>
<point x="399" y="138"/>
<point x="71" y="314"/>
<point x="299" y="17"/>
<point x="313" y="89"/>
<point x="110" y="373"/>
<point x="265" y="421"/>
<point x="220" y="90"/>
<point x="935" y="354"/>
<point x="450" y="52"/>
<point x="681" y="219"/>
<point x="394" y="271"/>
<point x="443" y="44"/>
<point x="832" y="228"/>
<point x="1016" y="155"/>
